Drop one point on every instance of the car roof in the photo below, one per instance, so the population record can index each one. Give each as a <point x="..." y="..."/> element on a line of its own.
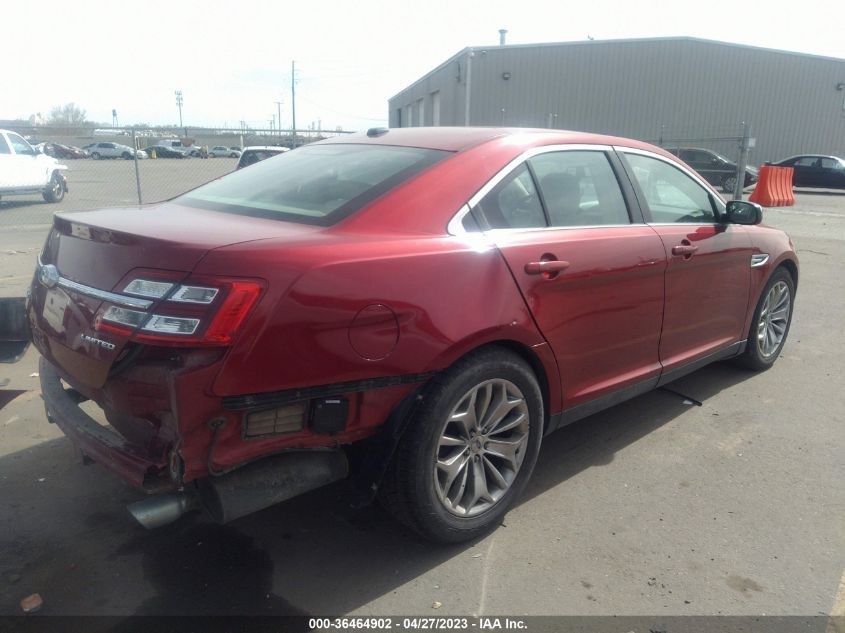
<point x="277" y="148"/>
<point x="810" y="156"/>
<point x="685" y="149"/>
<point x="456" y="139"/>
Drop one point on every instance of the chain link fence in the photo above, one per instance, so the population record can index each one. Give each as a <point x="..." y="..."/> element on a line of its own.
<point x="105" y="170"/>
<point x="723" y="156"/>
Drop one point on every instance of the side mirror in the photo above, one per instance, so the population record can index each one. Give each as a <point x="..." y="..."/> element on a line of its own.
<point x="742" y="212"/>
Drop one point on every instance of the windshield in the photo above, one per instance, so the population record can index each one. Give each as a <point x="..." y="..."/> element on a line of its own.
<point x="316" y="184"/>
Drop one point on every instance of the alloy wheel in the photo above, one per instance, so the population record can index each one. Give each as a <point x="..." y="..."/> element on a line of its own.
<point x="481" y="447"/>
<point x="774" y="319"/>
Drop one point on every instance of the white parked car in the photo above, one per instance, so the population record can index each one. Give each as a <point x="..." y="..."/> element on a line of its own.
<point x="113" y="150"/>
<point x="24" y="170"/>
<point x="222" y="150"/>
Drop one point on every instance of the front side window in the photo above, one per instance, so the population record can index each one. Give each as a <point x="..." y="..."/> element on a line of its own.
<point x="20" y="145"/>
<point x="579" y="189"/>
<point x="672" y="196"/>
<point x="807" y="161"/>
<point x="315" y="184"/>
<point x="4" y="146"/>
<point x="513" y="203"/>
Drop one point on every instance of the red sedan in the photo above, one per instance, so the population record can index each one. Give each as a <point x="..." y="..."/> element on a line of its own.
<point x="411" y="309"/>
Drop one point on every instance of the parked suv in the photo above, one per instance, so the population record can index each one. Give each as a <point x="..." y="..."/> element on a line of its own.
<point x="113" y="150"/>
<point x="715" y="168"/>
<point x="414" y="309"/>
<point x="256" y="153"/>
<point x="25" y="170"/>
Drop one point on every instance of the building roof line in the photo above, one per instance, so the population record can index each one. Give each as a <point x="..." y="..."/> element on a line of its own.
<point x="461" y="52"/>
<point x="680" y="38"/>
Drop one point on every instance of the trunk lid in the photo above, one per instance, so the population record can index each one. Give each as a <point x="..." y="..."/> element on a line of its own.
<point x="99" y="251"/>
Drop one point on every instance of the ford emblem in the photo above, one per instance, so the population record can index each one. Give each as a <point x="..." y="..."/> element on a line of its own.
<point x="48" y="276"/>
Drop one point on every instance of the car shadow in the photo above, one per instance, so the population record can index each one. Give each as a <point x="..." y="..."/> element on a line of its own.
<point x="819" y="192"/>
<point x="313" y="554"/>
<point x="20" y="203"/>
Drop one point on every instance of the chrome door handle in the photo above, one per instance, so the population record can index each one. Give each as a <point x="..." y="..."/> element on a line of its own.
<point x="685" y="250"/>
<point x="546" y="266"/>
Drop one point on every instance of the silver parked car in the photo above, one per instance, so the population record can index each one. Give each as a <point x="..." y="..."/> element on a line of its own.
<point x="113" y="150"/>
<point x="222" y="150"/>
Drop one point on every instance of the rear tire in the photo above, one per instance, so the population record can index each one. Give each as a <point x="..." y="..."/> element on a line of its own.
<point x="55" y="190"/>
<point x="728" y="184"/>
<point x="470" y="449"/>
<point x="770" y="325"/>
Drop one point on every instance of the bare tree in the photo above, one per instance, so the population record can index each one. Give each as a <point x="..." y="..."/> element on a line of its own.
<point x="68" y="114"/>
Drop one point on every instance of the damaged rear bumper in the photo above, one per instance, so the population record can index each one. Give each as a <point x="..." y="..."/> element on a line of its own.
<point x="100" y="443"/>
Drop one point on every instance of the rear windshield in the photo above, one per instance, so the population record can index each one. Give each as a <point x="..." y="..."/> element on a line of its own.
<point x="315" y="184"/>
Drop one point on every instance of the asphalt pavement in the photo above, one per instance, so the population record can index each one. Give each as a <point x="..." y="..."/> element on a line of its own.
<point x="654" y="507"/>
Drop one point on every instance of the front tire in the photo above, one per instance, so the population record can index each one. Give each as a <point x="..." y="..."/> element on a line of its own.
<point x="55" y="190"/>
<point x="95" y="155"/>
<point x="470" y="449"/>
<point x="770" y="325"/>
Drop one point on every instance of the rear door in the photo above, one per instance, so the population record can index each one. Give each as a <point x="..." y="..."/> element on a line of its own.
<point x="590" y="270"/>
<point x="804" y="172"/>
<point x="708" y="275"/>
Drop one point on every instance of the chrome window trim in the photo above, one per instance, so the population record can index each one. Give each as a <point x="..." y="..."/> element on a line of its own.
<point x="96" y="293"/>
<point x="493" y="232"/>
<point x="456" y="228"/>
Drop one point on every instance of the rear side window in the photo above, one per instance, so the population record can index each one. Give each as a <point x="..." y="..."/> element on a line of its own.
<point x="580" y="189"/>
<point x="315" y="184"/>
<point x="513" y="203"/>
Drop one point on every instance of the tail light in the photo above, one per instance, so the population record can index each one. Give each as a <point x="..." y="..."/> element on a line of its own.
<point x="199" y="311"/>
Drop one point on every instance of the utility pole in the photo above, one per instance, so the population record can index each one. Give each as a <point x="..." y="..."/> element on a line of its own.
<point x="279" y="119"/>
<point x="744" y="145"/>
<point x="293" y="101"/>
<point x="470" y="55"/>
<point x="179" y="104"/>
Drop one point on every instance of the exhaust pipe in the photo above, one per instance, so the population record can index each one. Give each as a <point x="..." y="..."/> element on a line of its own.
<point x="270" y="481"/>
<point x="162" y="509"/>
<point x="249" y="489"/>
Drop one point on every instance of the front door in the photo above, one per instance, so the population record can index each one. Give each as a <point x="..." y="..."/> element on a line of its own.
<point x="26" y="169"/>
<point x="709" y="262"/>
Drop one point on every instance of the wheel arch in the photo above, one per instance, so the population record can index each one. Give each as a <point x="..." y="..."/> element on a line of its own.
<point x="791" y="267"/>
<point x="379" y="449"/>
<point x="533" y="361"/>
